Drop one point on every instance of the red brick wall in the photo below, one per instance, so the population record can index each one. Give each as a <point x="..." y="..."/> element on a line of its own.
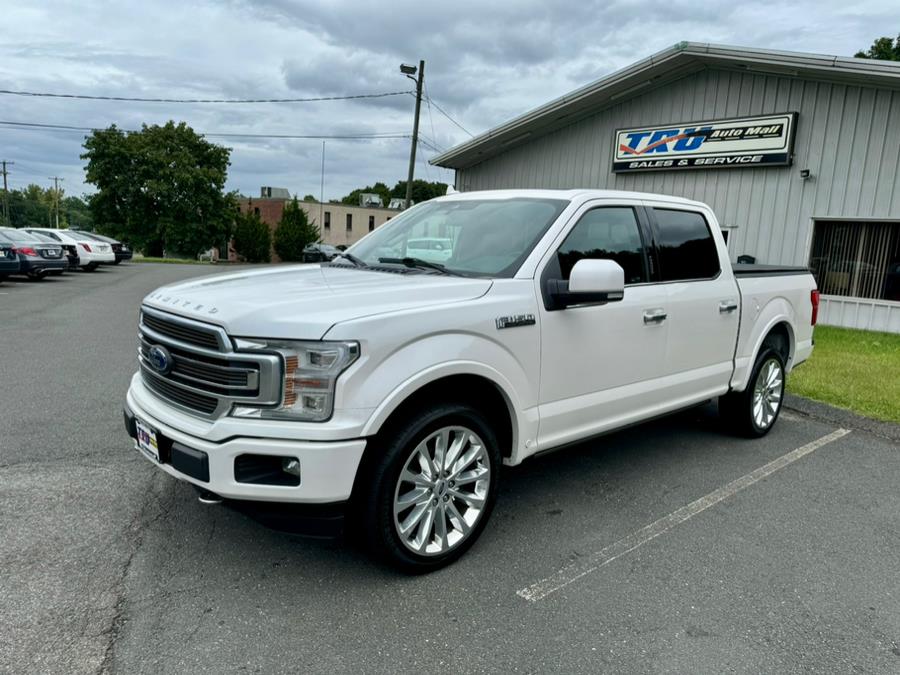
<point x="270" y="212"/>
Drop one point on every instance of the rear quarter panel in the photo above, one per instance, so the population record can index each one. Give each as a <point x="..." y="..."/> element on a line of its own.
<point x="765" y="302"/>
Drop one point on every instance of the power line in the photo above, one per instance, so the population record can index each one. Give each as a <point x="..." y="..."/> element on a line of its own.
<point x="203" y="100"/>
<point x="360" y="136"/>
<point x="447" y="115"/>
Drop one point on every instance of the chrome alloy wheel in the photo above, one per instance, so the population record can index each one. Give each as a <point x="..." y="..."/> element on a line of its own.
<point x="767" y="393"/>
<point x="442" y="491"/>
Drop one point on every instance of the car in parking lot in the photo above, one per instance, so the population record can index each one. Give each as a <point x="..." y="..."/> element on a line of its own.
<point x="37" y="257"/>
<point x="121" y="251"/>
<point x="91" y="252"/>
<point x="9" y="261"/>
<point x="319" y="252"/>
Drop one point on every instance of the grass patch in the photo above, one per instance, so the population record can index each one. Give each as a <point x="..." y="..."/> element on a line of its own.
<point x="853" y="369"/>
<point x="174" y="261"/>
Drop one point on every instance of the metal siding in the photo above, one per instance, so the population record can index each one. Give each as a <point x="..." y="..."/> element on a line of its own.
<point x="773" y="208"/>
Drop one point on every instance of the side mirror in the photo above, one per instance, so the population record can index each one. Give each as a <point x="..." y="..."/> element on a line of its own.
<point x="592" y="282"/>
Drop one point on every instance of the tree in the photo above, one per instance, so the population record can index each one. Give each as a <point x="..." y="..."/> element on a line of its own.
<point x="160" y="188"/>
<point x="422" y="190"/>
<point x="310" y="198"/>
<point x="252" y="239"/>
<point x="379" y="188"/>
<point x="294" y="233"/>
<point x="31" y="207"/>
<point x="883" y="48"/>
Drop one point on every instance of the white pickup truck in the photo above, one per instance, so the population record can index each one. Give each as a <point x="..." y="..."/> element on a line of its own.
<point x="392" y="389"/>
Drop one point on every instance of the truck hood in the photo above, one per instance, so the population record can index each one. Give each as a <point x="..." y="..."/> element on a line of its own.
<point x="303" y="302"/>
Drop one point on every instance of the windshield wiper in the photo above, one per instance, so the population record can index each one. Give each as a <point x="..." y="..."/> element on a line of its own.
<point x="352" y="258"/>
<point x="421" y="264"/>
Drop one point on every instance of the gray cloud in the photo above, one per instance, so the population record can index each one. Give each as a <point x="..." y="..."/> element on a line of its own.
<point x="486" y="62"/>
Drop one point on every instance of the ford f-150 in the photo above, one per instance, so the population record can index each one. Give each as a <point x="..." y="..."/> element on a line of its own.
<point x="392" y="389"/>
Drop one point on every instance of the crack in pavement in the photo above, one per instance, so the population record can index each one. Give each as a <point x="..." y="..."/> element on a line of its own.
<point x="136" y="531"/>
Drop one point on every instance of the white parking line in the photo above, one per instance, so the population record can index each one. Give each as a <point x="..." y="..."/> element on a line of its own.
<point x="604" y="556"/>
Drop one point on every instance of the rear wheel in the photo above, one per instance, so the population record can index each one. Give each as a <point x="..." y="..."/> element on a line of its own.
<point x="753" y="412"/>
<point x="90" y="267"/>
<point x="433" y="488"/>
<point x="36" y="276"/>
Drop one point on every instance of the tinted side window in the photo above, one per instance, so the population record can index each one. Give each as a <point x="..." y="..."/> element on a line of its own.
<point x="686" y="246"/>
<point x="609" y="233"/>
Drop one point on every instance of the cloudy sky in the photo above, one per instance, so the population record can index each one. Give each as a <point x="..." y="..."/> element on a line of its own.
<point x="486" y="61"/>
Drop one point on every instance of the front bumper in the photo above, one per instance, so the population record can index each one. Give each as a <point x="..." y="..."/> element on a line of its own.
<point x="327" y="468"/>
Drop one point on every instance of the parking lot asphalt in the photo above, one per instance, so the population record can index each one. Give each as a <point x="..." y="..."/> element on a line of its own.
<point x="107" y="564"/>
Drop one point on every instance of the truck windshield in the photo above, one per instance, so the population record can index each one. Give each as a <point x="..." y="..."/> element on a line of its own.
<point x="473" y="237"/>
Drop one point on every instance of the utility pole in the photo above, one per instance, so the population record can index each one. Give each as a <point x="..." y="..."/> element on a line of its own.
<point x="6" y="220"/>
<point x="408" y="70"/>
<point x="56" y="180"/>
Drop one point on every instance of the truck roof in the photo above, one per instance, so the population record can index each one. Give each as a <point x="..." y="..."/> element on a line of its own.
<point x="570" y="195"/>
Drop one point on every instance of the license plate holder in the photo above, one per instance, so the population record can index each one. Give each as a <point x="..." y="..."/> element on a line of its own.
<point x="147" y="441"/>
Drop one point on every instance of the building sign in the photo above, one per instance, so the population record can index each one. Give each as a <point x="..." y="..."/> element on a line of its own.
<point x="741" y="142"/>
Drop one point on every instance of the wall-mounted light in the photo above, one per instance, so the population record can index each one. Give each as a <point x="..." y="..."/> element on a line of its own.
<point x="804" y="173"/>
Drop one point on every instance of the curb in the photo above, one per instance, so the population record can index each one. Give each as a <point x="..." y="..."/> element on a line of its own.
<point x="841" y="417"/>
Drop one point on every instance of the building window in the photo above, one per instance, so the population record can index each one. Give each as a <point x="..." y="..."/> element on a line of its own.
<point x="328" y="220"/>
<point x="371" y="223"/>
<point x="859" y="260"/>
<point x="349" y="222"/>
<point x="256" y="210"/>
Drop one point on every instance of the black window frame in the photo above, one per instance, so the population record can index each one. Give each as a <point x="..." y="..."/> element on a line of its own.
<point x="655" y="228"/>
<point x="349" y="222"/>
<point x="371" y="223"/>
<point x="327" y="219"/>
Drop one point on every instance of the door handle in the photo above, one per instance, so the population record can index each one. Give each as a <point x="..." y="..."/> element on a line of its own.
<point x="654" y="316"/>
<point x="727" y="306"/>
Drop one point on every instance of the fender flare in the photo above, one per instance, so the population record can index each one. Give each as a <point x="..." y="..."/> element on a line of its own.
<point x="777" y="310"/>
<point x="408" y="387"/>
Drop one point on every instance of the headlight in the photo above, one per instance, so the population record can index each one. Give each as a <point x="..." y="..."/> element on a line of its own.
<point x="310" y="372"/>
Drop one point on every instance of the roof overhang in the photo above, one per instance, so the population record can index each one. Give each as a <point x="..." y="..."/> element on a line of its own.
<point x="663" y="67"/>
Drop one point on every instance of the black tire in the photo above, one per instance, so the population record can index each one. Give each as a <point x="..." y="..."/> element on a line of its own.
<point x="37" y="276"/>
<point x="738" y="409"/>
<point x="118" y="260"/>
<point x="90" y="267"/>
<point x="395" y="449"/>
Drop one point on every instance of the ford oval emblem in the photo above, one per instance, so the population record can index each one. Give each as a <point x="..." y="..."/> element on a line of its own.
<point x="160" y="359"/>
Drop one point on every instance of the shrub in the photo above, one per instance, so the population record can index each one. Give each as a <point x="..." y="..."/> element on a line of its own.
<point x="252" y="240"/>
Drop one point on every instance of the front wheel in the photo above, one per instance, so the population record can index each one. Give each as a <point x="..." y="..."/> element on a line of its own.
<point x="433" y="489"/>
<point x="753" y="412"/>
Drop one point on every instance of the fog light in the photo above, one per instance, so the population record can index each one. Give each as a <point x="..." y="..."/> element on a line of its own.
<point x="291" y="465"/>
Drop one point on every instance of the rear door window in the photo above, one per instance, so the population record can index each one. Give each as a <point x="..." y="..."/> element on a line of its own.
<point x="686" y="246"/>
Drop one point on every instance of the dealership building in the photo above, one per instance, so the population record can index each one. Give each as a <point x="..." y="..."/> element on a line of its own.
<point x="796" y="153"/>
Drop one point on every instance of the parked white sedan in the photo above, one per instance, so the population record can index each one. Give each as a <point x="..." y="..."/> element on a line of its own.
<point x="91" y="252"/>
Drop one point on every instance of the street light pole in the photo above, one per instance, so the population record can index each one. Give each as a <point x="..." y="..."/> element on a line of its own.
<point x="408" y="70"/>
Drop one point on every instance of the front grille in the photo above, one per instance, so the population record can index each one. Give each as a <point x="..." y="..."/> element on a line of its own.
<point x="179" y="331"/>
<point x="215" y="375"/>
<point x="184" y="397"/>
<point x="201" y="373"/>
